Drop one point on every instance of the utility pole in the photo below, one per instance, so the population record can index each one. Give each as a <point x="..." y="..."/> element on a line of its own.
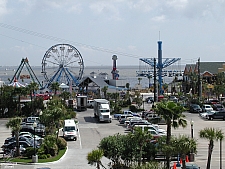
<point x="155" y="89"/>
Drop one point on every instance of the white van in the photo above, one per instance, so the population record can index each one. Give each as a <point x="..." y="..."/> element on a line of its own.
<point x="70" y="130"/>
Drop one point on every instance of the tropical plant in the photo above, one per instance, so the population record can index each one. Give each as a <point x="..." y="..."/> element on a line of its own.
<point x="32" y="87"/>
<point x="171" y="112"/>
<point x="212" y="135"/>
<point x="94" y="158"/>
<point x="139" y="80"/>
<point x="55" y="87"/>
<point x="104" y="90"/>
<point x="15" y="125"/>
<point x="183" y="145"/>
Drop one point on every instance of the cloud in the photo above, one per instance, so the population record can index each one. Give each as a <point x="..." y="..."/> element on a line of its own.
<point x="107" y="8"/>
<point x="159" y="18"/>
<point x="3" y="8"/>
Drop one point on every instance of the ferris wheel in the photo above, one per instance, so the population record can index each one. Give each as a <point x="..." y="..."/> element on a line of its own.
<point x="62" y="63"/>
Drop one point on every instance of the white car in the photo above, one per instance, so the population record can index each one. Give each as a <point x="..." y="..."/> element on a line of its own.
<point x="207" y="107"/>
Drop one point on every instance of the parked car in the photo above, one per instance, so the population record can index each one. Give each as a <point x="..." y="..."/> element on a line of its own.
<point x="204" y="115"/>
<point x="195" y="108"/>
<point x="206" y="107"/>
<point x="149" y="100"/>
<point x="173" y="98"/>
<point x="190" y="165"/>
<point x="216" y="115"/>
<point x="13" y="139"/>
<point x="218" y="107"/>
<point x="90" y="103"/>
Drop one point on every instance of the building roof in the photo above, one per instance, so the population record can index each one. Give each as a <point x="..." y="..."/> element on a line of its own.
<point x="97" y="80"/>
<point x="211" y="67"/>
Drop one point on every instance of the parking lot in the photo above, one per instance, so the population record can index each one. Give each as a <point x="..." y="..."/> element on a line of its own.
<point x="91" y="132"/>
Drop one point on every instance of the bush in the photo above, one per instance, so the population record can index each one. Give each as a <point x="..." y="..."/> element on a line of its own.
<point x="53" y="151"/>
<point x="133" y="108"/>
<point x="29" y="152"/>
<point x="43" y="156"/>
<point x="61" y="143"/>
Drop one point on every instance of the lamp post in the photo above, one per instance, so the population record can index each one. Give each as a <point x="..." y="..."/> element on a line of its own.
<point x="220" y="153"/>
<point x="192" y="129"/>
<point x="35" y="157"/>
<point x="143" y="102"/>
<point x="192" y="156"/>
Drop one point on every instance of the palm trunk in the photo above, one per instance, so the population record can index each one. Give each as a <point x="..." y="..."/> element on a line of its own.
<point x="211" y="145"/>
<point x="17" y="144"/>
<point x="168" y="142"/>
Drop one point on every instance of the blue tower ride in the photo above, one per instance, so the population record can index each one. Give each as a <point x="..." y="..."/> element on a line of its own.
<point x="160" y="66"/>
<point x="162" y="63"/>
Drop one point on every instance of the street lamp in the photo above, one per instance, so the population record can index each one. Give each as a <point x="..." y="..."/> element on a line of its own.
<point x="35" y="157"/>
<point x="192" y="129"/>
<point x="192" y="156"/>
<point x="220" y="153"/>
<point x="143" y="102"/>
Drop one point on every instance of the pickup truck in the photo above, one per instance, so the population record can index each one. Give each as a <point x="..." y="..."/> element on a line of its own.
<point x="126" y="112"/>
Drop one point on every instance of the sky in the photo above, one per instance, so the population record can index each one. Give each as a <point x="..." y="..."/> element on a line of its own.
<point x="99" y="29"/>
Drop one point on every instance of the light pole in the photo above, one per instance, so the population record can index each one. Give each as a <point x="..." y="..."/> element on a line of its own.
<point x="192" y="129"/>
<point x="143" y="102"/>
<point x="192" y="156"/>
<point x="35" y="157"/>
<point x="220" y="153"/>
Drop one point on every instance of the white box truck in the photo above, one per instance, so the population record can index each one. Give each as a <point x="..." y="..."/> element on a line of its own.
<point x="102" y="110"/>
<point x="70" y="130"/>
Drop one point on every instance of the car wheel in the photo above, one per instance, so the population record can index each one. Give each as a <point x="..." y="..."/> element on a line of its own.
<point x="75" y="139"/>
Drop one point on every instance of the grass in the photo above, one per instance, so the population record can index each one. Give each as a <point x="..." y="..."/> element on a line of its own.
<point x="28" y="160"/>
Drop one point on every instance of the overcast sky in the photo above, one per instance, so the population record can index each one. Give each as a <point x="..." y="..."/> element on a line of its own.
<point x="189" y="29"/>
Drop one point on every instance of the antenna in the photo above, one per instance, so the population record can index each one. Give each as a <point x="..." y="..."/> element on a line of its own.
<point x="159" y="35"/>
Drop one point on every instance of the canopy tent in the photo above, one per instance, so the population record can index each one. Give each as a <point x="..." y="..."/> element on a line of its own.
<point x="64" y="86"/>
<point x="15" y="83"/>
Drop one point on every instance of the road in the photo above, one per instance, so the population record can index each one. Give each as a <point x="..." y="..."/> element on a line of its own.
<point x="91" y="132"/>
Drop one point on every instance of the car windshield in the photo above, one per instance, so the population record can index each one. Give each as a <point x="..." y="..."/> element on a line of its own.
<point x="70" y="128"/>
<point x="196" y="106"/>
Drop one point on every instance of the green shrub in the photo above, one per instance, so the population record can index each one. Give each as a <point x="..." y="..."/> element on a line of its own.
<point x="133" y="108"/>
<point x="43" y="156"/>
<point x="53" y="151"/>
<point x="61" y="143"/>
<point x="29" y="152"/>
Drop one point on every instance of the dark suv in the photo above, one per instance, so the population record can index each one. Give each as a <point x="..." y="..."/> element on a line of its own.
<point x="216" y="115"/>
<point x="195" y="108"/>
<point x="218" y="107"/>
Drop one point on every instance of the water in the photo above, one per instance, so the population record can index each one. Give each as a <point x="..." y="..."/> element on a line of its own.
<point x="125" y="72"/>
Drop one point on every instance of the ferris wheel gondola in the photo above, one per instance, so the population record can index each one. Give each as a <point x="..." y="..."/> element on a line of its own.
<point x="62" y="63"/>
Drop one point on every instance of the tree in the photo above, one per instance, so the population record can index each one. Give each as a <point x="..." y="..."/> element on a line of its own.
<point x="94" y="158"/>
<point x="139" y="80"/>
<point x="65" y="95"/>
<point x="183" y="145"/>
<point x="171" y="112"/>
<point x="211" y="134"/>
<point x="55" y="87"/>
<point x="15" y="125"/>
<point x="104" y="90"/>
<point x="32" y="87"/>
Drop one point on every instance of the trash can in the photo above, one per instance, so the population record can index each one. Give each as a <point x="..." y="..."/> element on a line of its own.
<point x="35" y="158"/>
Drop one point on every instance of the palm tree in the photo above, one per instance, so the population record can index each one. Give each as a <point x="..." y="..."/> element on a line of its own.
<point x="183" y="145"/>
<point x="32" y="87"/>
<point x="104" y="90"/>
<point x="94" y="158"/>
<point x="171" y="112"/>
<point x="15" y="125"/>
<point x="139" y="80"/>
<point x="211" y="134"/>
<point x="54" y="86"/>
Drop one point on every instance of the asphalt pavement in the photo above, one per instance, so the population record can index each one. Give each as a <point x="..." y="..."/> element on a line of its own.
<point x="91" y="132"/>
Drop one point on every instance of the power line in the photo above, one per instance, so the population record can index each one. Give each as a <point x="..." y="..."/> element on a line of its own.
<point x="40" y="35"/>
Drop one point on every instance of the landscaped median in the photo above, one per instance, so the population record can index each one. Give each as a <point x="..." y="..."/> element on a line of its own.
<point x="26" y="160"/>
